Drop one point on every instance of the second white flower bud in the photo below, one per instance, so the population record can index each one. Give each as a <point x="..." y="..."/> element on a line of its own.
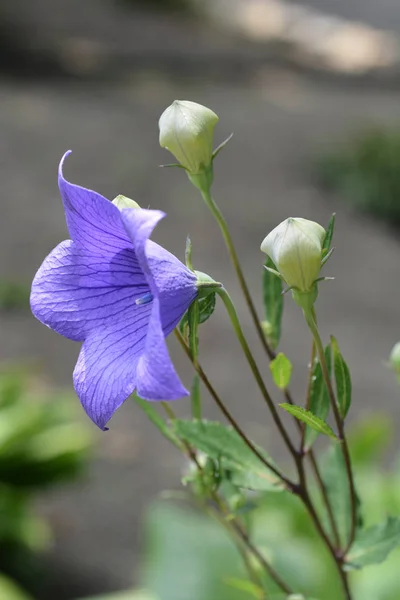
<point x="295" y="246"/>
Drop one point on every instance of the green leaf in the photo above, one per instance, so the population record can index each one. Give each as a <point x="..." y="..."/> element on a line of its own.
<point x="373" y="545"/>
<point x="10" y="591"/>
<point x="342" y="378"/>
<point x="206" y="308"/>
<point x="273" y="303"/>
<point x="319" y="397"/>
<point x="244" y="585"/>
<point x="150" y="411"/>
<point x="310" y="419"/>
<point x="281" y="369"/>
<point x="369" y="437"/>
<point x="225" y="445"/>
<point x="188" y="556"/>
<point x="128" y="595"/>
<point x="335" y="478"/>
<point x="326" y="246"/>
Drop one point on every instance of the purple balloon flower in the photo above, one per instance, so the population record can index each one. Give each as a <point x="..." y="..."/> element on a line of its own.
<point x="118" y="292"/>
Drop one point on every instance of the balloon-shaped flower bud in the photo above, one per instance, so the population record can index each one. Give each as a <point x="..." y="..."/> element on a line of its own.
<point x="295" y="246"/>
<point x="187" y="130"/>
<point x="394" y="358"/>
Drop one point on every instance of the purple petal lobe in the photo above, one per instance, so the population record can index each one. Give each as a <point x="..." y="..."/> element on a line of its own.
<point x="92" y="220"/>
<point x="76" y="291"/>
<point x="174" y="288"/>
<point x="156" y="375"/>
<point x="105" y="374"/>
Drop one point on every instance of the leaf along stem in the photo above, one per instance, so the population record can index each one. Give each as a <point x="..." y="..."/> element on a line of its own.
<point x="231" y="310"/>
<point x="340" y="427"/>
<point x="197" y="366"/>
<point x="234" y="523"/>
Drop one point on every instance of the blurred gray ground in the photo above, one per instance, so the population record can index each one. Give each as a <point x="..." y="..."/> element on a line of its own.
<point x="279" y="121"/>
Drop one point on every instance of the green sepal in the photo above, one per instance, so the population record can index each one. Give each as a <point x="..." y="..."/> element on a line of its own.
<point x="273" y="302"/>
<point x="326" y="246"/>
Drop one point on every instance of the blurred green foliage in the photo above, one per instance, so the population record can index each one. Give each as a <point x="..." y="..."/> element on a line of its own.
<point x="41" y="444"/>
<point x="366" y="170"/>
<point x="189" y="555"/>
<point x="10" y="591"/>
<point x="14" y="296"/>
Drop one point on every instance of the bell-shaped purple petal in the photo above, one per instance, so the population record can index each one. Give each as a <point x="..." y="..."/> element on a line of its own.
<point x="119" y="293"/>
<point x="157" y="379"/>
<point x="92" y="220"/>
<point x="76" y="291"/>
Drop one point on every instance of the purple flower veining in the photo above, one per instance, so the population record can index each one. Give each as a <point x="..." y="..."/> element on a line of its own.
<point x="119" y="293"/>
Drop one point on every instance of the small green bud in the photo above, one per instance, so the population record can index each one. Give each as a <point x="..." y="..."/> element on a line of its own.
<point x="124" y="202"/>
<point x="187" y="130"/>
<point x="295" y="246"/>
<point x="394" y="358"/>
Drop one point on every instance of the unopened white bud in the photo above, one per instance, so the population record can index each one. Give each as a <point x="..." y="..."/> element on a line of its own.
<point x="187" y="131"/>
<point x="295" y="246"/>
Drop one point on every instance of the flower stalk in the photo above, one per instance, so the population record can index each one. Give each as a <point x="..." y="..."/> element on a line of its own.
<point x="217" y="214"/>
<point x="231" y="310"/>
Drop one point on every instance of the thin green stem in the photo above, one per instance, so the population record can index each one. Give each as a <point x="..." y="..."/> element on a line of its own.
<point x="197" y="366"/>
<point x="231" y="310"/>
<point x="318" y="478"/>
<point x="236" y="264"/>
<point x="243" y="536"/>
<point x="325" y="498"/>
<point x="308" y="397"/>
<point x="233" y="524"/>
<point x="340" y="427"/>
<point x="337" y="560"/>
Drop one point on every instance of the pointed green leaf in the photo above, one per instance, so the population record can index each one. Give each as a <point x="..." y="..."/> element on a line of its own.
<point x="273" y="303"/>
<point x="319" y="398"/>
<point x="150" y="411"/>
<point x="373" y="545"/>
<point x="342" y="378"/>
<point x="307" y="417"/>
<point x="326" y="246"/>
<point x="281" y="369"/>
<point x="334" y="476"/>
<point x="225" y="445"/>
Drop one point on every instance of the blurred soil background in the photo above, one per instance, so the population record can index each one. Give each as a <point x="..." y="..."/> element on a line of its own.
<point x="94" y="77"/>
